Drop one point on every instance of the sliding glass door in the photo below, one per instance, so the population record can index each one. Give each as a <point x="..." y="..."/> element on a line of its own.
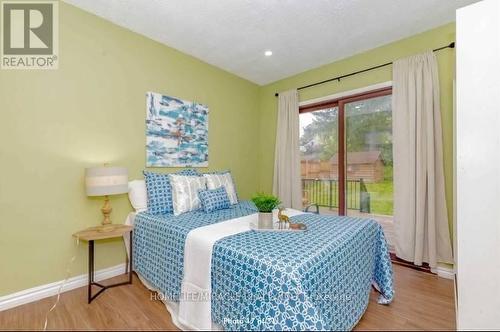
<point x="346" y="155"/>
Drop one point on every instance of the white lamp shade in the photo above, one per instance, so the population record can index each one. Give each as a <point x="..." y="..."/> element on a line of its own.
<point x="102" y="181"/>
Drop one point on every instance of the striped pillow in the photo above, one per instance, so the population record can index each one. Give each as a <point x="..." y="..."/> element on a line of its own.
<point x="185" y="192"/>
<point x="214" y="199"/>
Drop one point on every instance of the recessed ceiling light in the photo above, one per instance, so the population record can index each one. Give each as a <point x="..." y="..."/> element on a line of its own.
<point x="268" y="53"/>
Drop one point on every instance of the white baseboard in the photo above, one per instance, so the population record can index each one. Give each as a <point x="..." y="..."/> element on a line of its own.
<point x="43" y="291"/>
<point x="445" y="272"/>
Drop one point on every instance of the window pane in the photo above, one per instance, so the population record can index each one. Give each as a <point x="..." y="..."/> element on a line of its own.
<point x="369" y="163"/>
<point x="318" y="146"/>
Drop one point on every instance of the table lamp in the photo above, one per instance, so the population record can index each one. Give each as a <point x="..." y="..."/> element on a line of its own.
<point x="105" y="181"/>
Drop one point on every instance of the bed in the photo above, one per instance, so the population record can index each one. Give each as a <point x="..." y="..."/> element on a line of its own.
<point x="319" y="279"/>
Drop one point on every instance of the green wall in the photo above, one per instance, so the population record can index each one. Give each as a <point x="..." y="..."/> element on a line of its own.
<point x="90" y="111"/>
<point x="428" y="40"/>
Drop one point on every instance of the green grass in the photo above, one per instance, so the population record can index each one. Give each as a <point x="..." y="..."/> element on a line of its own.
<point x="381" y="194"/>
<point x="381" y="197"/>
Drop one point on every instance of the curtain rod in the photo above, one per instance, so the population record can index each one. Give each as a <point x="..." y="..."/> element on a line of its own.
<point x="338" y="78"/>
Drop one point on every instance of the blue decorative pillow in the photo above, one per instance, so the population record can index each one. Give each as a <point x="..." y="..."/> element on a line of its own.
<point x="160" y="191"/>
<point x="214" y="199"/>
<point x="223" y="178"/>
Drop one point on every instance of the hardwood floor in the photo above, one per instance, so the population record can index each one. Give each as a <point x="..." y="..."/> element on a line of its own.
<point x="422" y="302"/>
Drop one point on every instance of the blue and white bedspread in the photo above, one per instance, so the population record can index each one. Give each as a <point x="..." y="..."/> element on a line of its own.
<point x="314" y="280"/>
<point x="159" y="244"/>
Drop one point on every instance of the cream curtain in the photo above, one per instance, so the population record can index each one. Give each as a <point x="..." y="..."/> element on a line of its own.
<point x="420" y="214"/>
<point x="286" y="183"/>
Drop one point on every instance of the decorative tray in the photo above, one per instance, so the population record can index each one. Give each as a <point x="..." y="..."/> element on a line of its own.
<point x="254" y="226"/>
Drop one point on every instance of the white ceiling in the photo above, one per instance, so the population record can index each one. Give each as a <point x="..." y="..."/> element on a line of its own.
<point x="303" y="34"/>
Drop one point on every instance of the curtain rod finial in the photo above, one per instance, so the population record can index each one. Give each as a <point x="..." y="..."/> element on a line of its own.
<point x="452" y="45"/>
<point x="276" y="94"/>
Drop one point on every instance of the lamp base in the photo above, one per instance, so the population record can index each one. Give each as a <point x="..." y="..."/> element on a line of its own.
<point x="106" y="211"/>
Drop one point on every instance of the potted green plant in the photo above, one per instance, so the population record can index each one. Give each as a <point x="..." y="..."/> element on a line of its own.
<point x="266" y="204"/>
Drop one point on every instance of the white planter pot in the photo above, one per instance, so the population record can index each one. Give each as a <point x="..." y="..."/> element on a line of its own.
<point x="265" y="220"/>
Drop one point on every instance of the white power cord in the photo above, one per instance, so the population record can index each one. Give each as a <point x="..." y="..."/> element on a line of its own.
<point x="68" y="275"/>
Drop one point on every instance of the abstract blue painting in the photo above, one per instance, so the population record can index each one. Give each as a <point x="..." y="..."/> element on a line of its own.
<point x="176" y="132"/>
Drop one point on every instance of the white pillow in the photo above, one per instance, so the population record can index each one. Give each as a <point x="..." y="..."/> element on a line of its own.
<point x="185" y="192"/>
<point x="215" y="181"/>
<point x="138" y="195"/>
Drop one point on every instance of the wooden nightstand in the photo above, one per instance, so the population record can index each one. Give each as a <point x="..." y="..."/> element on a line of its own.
<point x="100" y="233"/>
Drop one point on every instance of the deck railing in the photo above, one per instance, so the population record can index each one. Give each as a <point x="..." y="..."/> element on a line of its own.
<point x="324" y="192"/>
